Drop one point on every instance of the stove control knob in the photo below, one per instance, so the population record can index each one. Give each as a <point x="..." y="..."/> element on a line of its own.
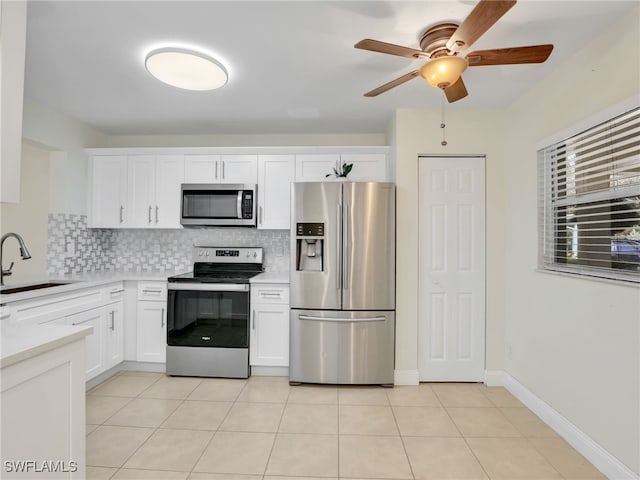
<point x="248" y="254"/>
<point x="207" y="253"/>
<point x="255" y="254"/>
<point x="200" y="253"/>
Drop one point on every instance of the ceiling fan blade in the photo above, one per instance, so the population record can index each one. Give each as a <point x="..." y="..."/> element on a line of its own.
<point x="510" y="56"/>
<point x="456" y="91"/>
<point x="481" y="19"/>
<point x="390" y="48"/>
<point x="393" y="83"/>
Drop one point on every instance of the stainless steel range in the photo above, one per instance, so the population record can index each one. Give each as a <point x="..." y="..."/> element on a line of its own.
<point x="208" y="313"/>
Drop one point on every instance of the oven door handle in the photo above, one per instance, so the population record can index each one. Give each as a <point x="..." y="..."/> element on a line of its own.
<point x="210" y="287"/>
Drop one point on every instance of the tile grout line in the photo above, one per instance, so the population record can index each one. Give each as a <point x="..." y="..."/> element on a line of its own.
<point x="275" y="436"/>
<point x="191" y="472"/>
<point x="404" y="446"/>
<point x="464" y="439"/>
<point x="107" y="381"/>
<point x="156" y="428"/>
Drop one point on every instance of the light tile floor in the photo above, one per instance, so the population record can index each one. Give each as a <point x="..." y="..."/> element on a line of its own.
<point x="151" y="426"/>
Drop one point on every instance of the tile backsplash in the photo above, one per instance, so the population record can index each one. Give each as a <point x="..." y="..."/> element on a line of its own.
<point x="73" y="248"/>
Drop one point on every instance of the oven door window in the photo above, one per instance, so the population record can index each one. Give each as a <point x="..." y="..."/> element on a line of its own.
<point x="208" y="319"/>
<point x="210" y="204"/>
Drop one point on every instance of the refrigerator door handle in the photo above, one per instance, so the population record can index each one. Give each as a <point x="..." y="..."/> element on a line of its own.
<point x="338" y="246"/>
<point x="345" y="249"/>
<point x="378" y="318"/>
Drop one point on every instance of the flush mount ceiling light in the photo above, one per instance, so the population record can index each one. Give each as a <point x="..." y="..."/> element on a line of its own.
<point x="186" y="69"/>
<point x="443" y="71"/>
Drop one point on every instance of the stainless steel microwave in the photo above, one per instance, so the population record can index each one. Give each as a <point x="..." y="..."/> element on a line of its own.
<point x="218" y="205"/>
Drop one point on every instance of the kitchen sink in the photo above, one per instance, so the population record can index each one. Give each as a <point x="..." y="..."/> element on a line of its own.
<point x="28" y="288"/>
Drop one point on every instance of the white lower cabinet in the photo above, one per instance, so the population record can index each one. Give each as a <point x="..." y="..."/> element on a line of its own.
<point x="94" y="343"/>
<point x="269" y="337"/>
<point x="114" y="334"/>
<point x="151" y="322"/>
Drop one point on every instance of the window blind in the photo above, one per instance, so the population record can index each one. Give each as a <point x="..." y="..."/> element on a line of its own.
<point x="589" y="201"/>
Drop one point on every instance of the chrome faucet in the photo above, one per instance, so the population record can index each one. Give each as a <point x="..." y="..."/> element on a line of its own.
<point x="24" y="253"/>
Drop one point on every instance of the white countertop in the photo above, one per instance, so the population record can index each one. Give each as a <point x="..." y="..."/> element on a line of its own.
<point x="75" y="282"/>
<point x="20" y="342"/>
<point x="271" y="277"/>
<point x="90" y="280"/>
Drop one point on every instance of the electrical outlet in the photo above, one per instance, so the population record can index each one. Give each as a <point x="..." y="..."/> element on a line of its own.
<point x="278" y="251"/>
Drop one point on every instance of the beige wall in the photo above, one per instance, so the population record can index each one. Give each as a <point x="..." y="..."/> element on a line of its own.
<point x="67" y="138"/>
<point x="573" y="342"/>
<point x="28" y="218"/>
<point x="468" y="132"/>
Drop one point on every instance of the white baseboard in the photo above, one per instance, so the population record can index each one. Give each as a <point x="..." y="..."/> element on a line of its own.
<point x="143" y="366"/>
<point x="406" y="377"/>
<point x="270" y="371"/>
<point x="588" y="448"/>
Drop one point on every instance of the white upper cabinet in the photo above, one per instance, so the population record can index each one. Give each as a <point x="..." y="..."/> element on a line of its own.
<point x="140" y="187"/>
<point x="239" y="169"/>
<point x="169" y="178"/>
<point x="108" y="191"/>
<point x="367" y="167"/>
<point x="154" y="190"/>
<point x="201" y="168"/>
<point x="138" y="191"/>
<point x="275" y="174"/>
<point x="221" y="169"/>
<point x="141" y="190"/>
<point x="313" y="167"/>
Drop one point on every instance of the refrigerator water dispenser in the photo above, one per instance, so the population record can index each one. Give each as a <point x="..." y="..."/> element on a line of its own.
<point x="310" y="247"/>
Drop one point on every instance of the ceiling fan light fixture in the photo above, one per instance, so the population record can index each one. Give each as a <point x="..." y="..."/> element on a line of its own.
<point x="443" y="71"/>
<point x="186" y="69"/>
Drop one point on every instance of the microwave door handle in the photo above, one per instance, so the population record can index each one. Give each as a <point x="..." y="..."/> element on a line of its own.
<point x="239" y="204"/>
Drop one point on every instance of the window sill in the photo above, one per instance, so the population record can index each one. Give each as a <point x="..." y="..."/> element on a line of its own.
<point x="593" y="278"/>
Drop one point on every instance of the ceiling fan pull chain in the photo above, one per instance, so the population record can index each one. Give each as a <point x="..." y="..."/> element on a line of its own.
<point x="443" y="126"/>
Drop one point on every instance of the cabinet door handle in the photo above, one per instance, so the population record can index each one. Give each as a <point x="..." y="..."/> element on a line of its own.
<point x="253" y="320"/>
<point x="260" y="214"/>
<point x="121" y="213"/>
<point x="152" y="290"/>
<point x="216" y="172"/>
<point x="222" y="169"/>
<point x="150" y="213"/>
<point x="162" y="318"/>
<point x="116" y="290"/>
<point x="157" y="208"/>
<point x="113" y="314"/>
<point x="271" y="294"/>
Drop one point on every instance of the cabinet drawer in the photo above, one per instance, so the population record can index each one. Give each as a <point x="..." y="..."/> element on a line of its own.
<point x="152" y="291"/>
<point x="55" y="306"/>
<point x="270" y="293"/>
<point x="114" y="292"/>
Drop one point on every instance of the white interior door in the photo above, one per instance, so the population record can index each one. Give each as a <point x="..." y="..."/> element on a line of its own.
<point x="452" y="268"/>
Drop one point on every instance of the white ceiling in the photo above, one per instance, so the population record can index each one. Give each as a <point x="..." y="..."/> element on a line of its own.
<point x="293" y="68"/>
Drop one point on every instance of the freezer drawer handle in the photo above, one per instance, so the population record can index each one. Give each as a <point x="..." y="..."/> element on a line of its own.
<point x="342" y="320"/>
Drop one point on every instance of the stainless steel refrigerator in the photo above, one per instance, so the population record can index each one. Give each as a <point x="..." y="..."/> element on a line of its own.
<point x="342" y="283"/>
